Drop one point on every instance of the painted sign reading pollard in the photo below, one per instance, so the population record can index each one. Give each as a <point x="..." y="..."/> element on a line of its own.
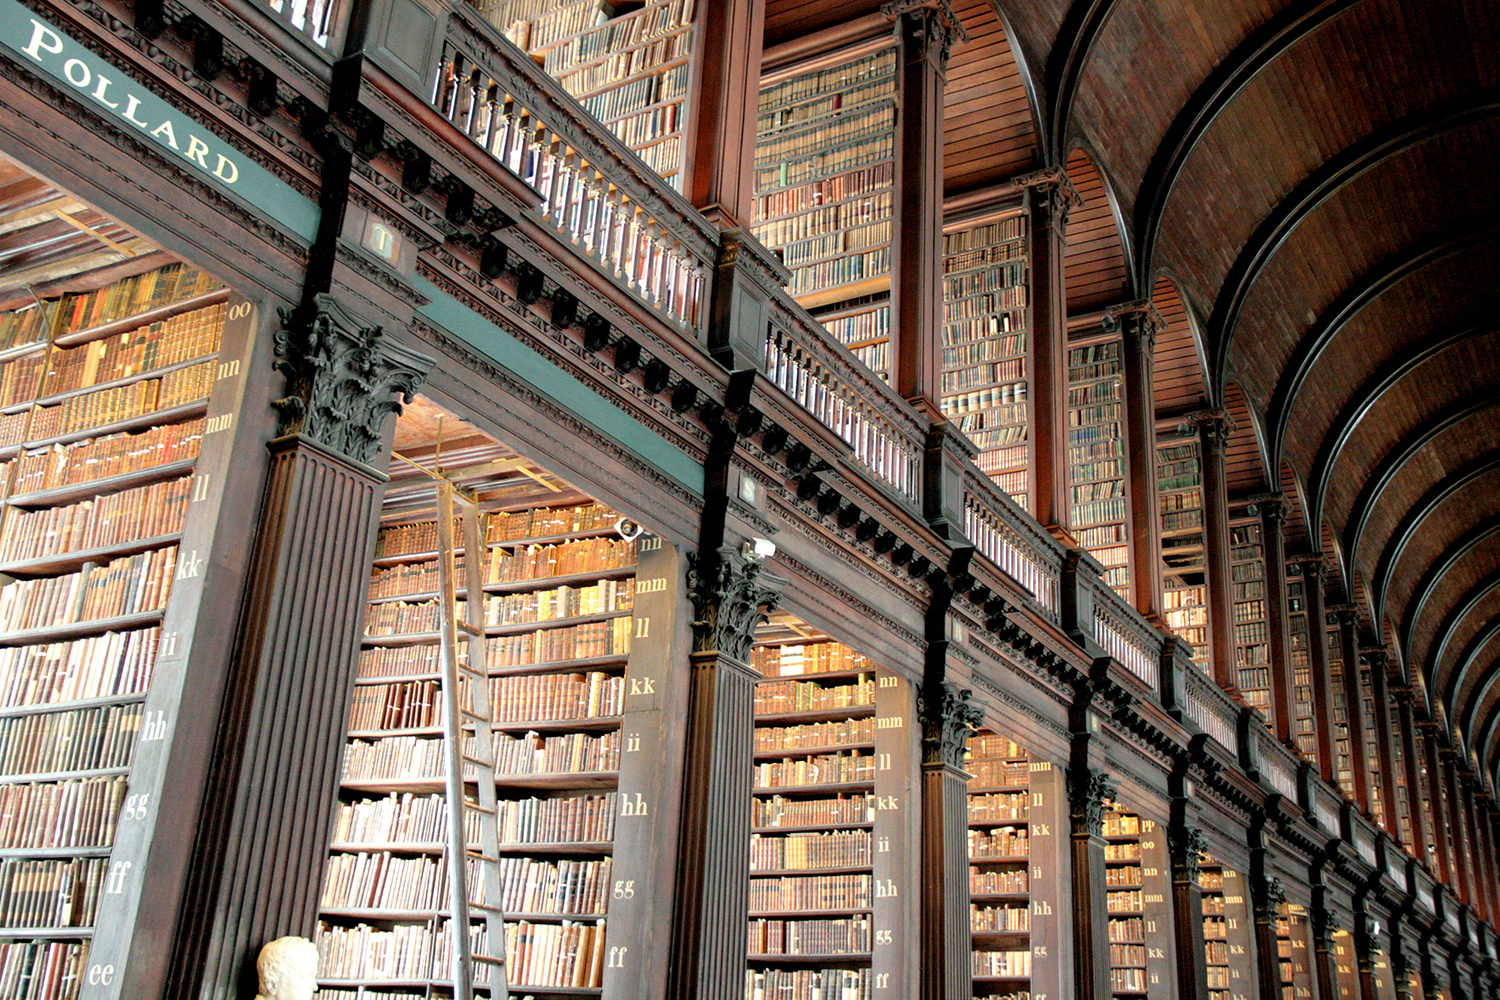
<point x="45" y="47"/>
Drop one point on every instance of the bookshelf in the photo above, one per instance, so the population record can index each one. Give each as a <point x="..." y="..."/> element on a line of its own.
<point x="1252" y="629"/>
<point x="1137" y="883"/>
<point x="102" y="402"/>
<point x="1227" y="929"/>
<point x="1293" y="951"/>
<point x="1096" y="456"/>
<point x="1012" y="863"/>
<point x="1179" y="476"/>
<point x="834" y="752"/>
<point x="1296" y="607"/>
<point x="825" y="172"/>
<point x="1371" y="750"/>
<point x="1343" y="761"/>
<point x="627" y="64"/>
<point x="985" y="375"/>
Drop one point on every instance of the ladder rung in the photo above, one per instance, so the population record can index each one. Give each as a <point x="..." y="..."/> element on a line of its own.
<point x="479" y="856"/>
<point x="489" y="960"/>
<point x="479" y="808"/>
<point x="487" y="908"/>
<point x="464" y="668"/>
<point x="471" y="716"/>
<point x="475" y="760"/>
<point x="468" y="629"/>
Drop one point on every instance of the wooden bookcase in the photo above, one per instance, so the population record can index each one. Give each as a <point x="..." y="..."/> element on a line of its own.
<point x="1294" y="951"/>
<point x="1343" y="767"/>
<point x="1370" y="751"/>
<point x="1096" y="456"/>
<point x="1252" y="630"/>
<point x="985" y="378"/>
<point x="1228" y="929"/>
<point x="1000" y="860"/>
<point x="1179" y="476"/>
<point x="825" y="189"/>
<point x="1302" y="708"/>
<point x="628" y="68"/>
<point x="105" y="403"/>
<point x="1126" y="903"/>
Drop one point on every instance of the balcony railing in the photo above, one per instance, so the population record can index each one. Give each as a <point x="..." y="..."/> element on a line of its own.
<point x="810" y="366"/>
<point x="312" y="19"/>
<point x="1003" y="533"/>
<point x="1127" y="637"/>
<point x="598" y="195"/>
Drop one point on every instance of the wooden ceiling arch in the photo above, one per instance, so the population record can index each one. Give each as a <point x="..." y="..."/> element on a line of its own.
<point x="1452" y="686"/>
<point x="1440" y="493"/>
<point x="1080" y="30"/>
<point x="1333" y="176"/>
<point x="1450" y="557"/>
<point x="1262" y="48"/>
<point x="1446" y="419"/>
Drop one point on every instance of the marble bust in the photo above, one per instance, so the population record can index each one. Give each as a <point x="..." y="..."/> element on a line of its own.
<point x="288" y="969"/>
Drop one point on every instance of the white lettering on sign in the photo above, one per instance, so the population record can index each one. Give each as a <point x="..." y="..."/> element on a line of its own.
<point x="48" y="48"/>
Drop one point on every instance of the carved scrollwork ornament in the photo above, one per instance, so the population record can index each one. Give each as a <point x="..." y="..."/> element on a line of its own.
<point x="947" y="722"/>
<point x="1187" y="845"/>
<point x="1270" y="891"/>
<point x="340" y="376"/>
<point x="1089" y="791"/>
<point x="731" y="596"/>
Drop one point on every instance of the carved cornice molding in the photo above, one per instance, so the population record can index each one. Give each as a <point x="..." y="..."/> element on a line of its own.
<point x="1216" y="425"/>
<point x="1140" y="322"/>
<point x="340" y="375"/>
<point x="1089" y="789"/>
<point x="948" y="718"/>
<point x="1269" y="892"/>
<point x="731" y="596"/>
<point x="932" y="22"/>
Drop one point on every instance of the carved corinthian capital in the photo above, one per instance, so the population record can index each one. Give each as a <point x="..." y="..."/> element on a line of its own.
<point x="340" y="376"/>
<point x="731" y="596"/>
<point x="1186" y="845"/>
<point x="949" y="716"/>
<point x="1088" y="792"/>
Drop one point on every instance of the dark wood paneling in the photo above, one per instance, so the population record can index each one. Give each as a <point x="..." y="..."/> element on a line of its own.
<point x="1244" y="470"/>
<point x="1179" y="383"/>
<point x="988" y="129"/>
<point x="1095" y="261"/>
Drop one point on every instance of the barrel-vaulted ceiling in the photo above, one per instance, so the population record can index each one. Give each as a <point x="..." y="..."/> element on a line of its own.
<point x="1311" y="188"/>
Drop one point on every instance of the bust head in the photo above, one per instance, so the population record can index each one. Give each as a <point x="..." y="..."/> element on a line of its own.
<point x="288" y="969"/>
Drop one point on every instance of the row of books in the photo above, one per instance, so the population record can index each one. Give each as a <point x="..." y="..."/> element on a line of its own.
<point x="994" y="882"/>
<point x="405" y="818"/>
<point x="134" y="295"/>
<point x="994" y="772"/>
<point x="811" y="892"/>
<point x="817" y="109"/>
<point x="1012" y="345"/>
<point x="808" y="984"/>
<point x="500" y="527"/>
<point x="626" y="98"/>
<point x="1125" y="875"/>
<point x="984" y="399"/>
<point x="80" y="812"/>
<point x="567" y="753"/>
<point x="809" y="658"/>
<point x="989" y="319"/>
<point x="77" y="414"/>
<point x="50" y="892"/>
<point x="20" y="379"/>
<point x="823" y="769"/>
<point x="826" y="936"/>
<point x="393" y="758"/>
<point x="125" y="586"/>
<point x="42" y="970"/>
<point x="997" y="806"/>
<point x="82" y="740"/>
<point x="815" y="734"/>
<point x="383" y="881"/>
<point x="1124" y="851"/>
<point x="28" y="325"/>
<point x="409" y="705"/>
<point x="144" y="512"/>
<point x="1127" y="929"/>
<point x="404" y="618"/>
<point x="406" y="951"/>
<point x="568" y="954"/>
<point x="1124" y="901"/>
<point x="651" y="21"/>
<point x="111" y="455"/>
<point x="777" y="810"/>
<point x="1005" y="964"/>
<point x="836" y="221"/>
<point x="794" y="851"/>
<point x="1127" y="980"/>
<point x="560" y="602"/>
<point x="857" y="327"/>
<point x="187" y="335"/>
<point x="589" y="695"/>
<point x="1015" y="919"/>
<point x="1003" y="285"/>
<point x="806" y="696"/>
<point x="994" y="460"/>
<point x="101" y="666"/>
<point x="503" y="565"/>
<point x="577" y="819"/>
<point x="1106" y="534"/>
<point x="574" y="888"/>
<point x="588" y="639"/>
<point x="825" y="191"/>
<point x="1099" y="512"/>
<point x="985" y="373"/>
<point x="654" y="55"/>
<point x="1002" y="842"/>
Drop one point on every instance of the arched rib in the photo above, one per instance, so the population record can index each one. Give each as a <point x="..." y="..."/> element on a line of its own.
<point x="1461" y="547"/>
<point x="1322" y="184"/>
<point x="1080" y="29"/>
<point x="1260" y="49"/>
<point x="1456" y="614"/>
<point x="1471" y="649"/>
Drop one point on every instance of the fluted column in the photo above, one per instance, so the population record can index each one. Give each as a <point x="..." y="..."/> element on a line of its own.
<point x="1088" y="791"/>
<point x="948" y="718"/>
<point x="1214" y="428"/>
<point x="1139" y="323"/>
<point x="260" y="848"/>
<point x="928" y="33"/>
<point x="1051" y="198"/>
<point x="731" y="595"/>
<point x="1385" y="745"/>
<point x="1437" y="800"/>
<point x="1321" y="677"/>
<point x="1406" y="732"/>
<point x="1283" y="677"/>
<point x="1323" y="930"/>
<point x="1461" y="875"/>
<point x="1354" y="706"/>
<point x="1266" y="894"/>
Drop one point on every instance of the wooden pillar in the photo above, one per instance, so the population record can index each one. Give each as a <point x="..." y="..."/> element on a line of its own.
<point x="709" y="946"/>
<point x="1265" y="896"/>
<point x="1460" y="877"/>
<point x="1323" y="930"/>
<point x="719" y="147"/>
<point x="1406" y="732"/>
<point x="1436" y="798"/>
<point x="1050" y="198"/>
<point x="1385" y="745"/>
<point x="1283" y="677"/>
<point x="1479" y="880"/>
<point x="1186" y="844"/>
<point x="1489" y="864"/>
<point x="1214" y="428"/>
<point x="927" y="34"/>
<point x="1139" y="324"/>
<point x="1088" y="791"/>
<point x="1354" y="706"/>
<point x="261" y="847"/>
<point x="948" y="718"/>
<point x="1322" y="680"/>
